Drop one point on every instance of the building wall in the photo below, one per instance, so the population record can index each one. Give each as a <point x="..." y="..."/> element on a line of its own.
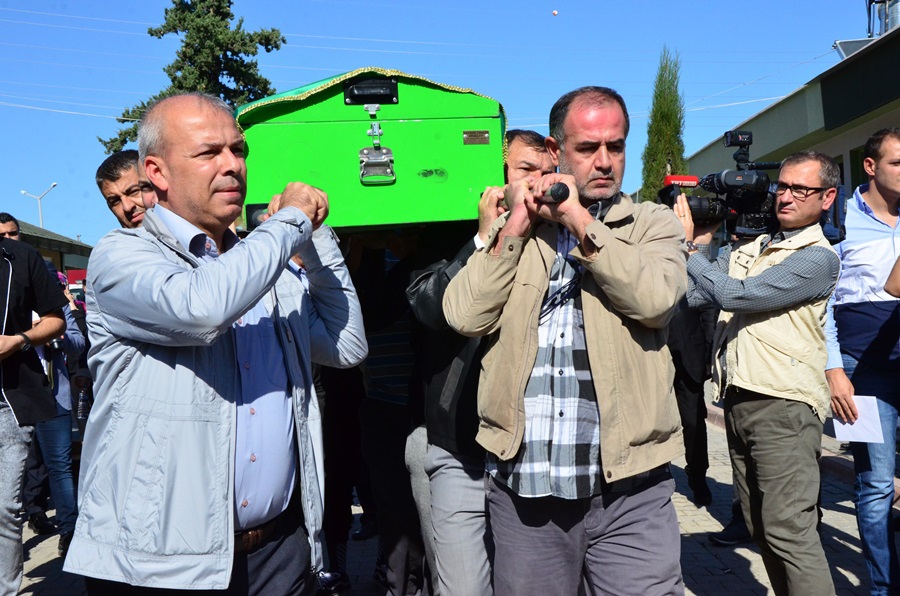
<point x="834" y="113"/>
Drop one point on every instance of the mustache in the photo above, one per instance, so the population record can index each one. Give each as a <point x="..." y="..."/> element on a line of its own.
<point x="230" y="183"/>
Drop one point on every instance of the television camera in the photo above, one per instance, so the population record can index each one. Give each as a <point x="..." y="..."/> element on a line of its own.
<point x="742" y="197"/>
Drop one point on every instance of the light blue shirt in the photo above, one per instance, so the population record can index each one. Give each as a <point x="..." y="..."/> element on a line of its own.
<point x="862" y="318"/>
<point x="265" y="467"/>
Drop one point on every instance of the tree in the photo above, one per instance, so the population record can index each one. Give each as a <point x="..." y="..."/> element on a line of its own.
<point x="214" y="58"/>
<point x="664" y="152"/>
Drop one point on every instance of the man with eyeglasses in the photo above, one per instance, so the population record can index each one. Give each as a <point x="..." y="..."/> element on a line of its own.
<point x="769" y="360"/>
<point x="576" y="402"/>
<point x="864" y="347"/>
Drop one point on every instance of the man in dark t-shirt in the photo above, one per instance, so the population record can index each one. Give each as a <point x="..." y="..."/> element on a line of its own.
<point x="25" y="287"/>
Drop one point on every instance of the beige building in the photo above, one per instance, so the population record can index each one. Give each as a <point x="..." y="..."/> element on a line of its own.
<point x="64" y="252"/>
<point x="834" y="113"/>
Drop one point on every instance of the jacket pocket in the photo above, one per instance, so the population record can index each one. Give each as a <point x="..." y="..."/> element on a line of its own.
<point x="161" y="466"/>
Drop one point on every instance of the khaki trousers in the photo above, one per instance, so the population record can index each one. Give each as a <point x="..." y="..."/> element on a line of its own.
<point x="774" y="445"/>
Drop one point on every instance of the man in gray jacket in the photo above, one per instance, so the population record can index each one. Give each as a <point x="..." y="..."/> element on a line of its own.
<point x="202" y="457"/>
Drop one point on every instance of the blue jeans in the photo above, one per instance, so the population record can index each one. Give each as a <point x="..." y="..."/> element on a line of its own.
<point x="14" y="443"/>
<point x="874" y="464"/>
<point x="55" y="439"/>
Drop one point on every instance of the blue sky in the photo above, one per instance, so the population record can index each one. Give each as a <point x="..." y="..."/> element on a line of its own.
<point x="68" y="68"/>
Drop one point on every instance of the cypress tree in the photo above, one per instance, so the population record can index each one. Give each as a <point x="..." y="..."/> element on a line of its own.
<point x="664" y="152"/>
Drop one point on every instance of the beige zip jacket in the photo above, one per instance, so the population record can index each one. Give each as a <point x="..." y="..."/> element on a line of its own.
<point x="637" y="277"/>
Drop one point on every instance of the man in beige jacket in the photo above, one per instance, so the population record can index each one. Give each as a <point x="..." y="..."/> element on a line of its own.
<point x="575" y="398"/>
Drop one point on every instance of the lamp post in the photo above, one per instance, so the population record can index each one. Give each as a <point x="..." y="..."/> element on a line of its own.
<point x="39" y="197"/>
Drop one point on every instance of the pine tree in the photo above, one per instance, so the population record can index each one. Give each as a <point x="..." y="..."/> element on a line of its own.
<point x="664" y="152"/>
<point x="214" y="58"/>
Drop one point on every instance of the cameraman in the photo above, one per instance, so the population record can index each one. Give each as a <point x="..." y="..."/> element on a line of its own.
<point x="769" y="358"/>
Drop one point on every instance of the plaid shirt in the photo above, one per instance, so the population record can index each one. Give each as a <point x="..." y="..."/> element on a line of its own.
<point x="560" y="451"/>
<point x="805" y="275"/>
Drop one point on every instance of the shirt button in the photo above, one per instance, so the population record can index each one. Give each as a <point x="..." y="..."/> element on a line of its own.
<point x="252" y="411"/>
<point x="244" y="503"/>
<point x="560" y="372"/>
<point x="510" y="248"/>
<point x="560" y="413"/>
<point x="246" y="365"/>
<point x="253" y="455"/>
<point x="562" y="335"/>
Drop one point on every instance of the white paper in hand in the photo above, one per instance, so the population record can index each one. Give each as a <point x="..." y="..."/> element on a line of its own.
<point x="867" y="428"/>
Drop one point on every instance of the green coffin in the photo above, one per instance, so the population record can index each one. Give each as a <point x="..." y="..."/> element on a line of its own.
<point x="389" y="148"/>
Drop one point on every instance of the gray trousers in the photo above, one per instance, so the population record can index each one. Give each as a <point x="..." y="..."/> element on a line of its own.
<point x="618" y="542"/>
<point x="416" y="445"/>
<point x="463" y="543"/>
<point x="774" y="445"/>
<point x="14" y="444"/>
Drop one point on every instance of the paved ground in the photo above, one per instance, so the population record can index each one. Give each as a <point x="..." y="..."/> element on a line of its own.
<point x="707" y="569"/>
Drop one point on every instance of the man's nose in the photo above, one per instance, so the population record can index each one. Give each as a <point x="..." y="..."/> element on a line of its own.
<point x="602" y="161"/>
<point x="132" y="203"/>
<point x="230" y="162"/>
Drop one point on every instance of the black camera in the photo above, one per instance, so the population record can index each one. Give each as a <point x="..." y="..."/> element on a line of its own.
<point x="742" y="197"/>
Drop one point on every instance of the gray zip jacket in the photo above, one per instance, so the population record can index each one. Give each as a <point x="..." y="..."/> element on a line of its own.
<point x="156" y="493"/>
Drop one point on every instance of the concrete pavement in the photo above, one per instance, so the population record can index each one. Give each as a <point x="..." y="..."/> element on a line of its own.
<point x="707" y="569"/>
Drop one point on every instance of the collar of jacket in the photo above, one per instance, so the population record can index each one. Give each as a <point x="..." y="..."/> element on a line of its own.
<point x="793" y="239"/>
<point x="155" y="227"/>
<point x="622" y="208"/>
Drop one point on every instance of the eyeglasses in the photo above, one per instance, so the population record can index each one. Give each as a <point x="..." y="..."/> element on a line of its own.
<point x="798" y="191"/>
<point x="13" y="234"/>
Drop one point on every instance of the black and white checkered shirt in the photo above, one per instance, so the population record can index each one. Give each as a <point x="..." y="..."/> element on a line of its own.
<point x="560" y="451"/>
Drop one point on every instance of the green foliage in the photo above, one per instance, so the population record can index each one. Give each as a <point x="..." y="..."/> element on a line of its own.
<point x="214" y="58"/>
<point x="665" y="129"/>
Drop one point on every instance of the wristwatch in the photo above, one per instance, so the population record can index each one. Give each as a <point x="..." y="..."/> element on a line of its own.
<point x="27" y="345"/>
<point x="691" y="246"/>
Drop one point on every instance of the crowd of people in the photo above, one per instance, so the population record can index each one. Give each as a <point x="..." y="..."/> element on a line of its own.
<point x="504" y="400"/>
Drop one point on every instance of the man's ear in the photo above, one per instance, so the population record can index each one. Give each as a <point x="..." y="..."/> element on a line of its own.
<point x="828" y="198"/>
<point x="157" y="172"/>
<point x="553" y="149"/>
<point x="869" y="166"/>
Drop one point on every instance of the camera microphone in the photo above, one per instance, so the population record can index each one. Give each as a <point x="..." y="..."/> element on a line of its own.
<point x="557" y="193"/>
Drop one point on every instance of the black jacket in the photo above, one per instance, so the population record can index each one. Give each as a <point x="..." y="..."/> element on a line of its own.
<point x="26" y="286"/>
<point x="450" y="363"/>
<point x="690" y="340"/>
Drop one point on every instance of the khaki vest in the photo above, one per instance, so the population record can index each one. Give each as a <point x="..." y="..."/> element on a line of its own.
<point x="779" y="353"/>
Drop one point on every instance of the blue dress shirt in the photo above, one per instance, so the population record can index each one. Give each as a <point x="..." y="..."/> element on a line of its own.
<point x="265" y="451"/>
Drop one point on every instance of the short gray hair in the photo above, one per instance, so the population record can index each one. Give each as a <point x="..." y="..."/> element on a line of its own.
<point x="151" y="140"/>
<point x="829" y="171"/>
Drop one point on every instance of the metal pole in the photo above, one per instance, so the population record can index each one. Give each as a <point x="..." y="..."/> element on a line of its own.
<point x="41" y="196"/>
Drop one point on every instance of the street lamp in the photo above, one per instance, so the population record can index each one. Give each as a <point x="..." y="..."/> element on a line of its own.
<point x="40" y="213"/>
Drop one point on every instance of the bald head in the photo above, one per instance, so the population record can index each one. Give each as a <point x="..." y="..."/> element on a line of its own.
<point x="151" y="135"/>
<point x="193" y="154"/>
